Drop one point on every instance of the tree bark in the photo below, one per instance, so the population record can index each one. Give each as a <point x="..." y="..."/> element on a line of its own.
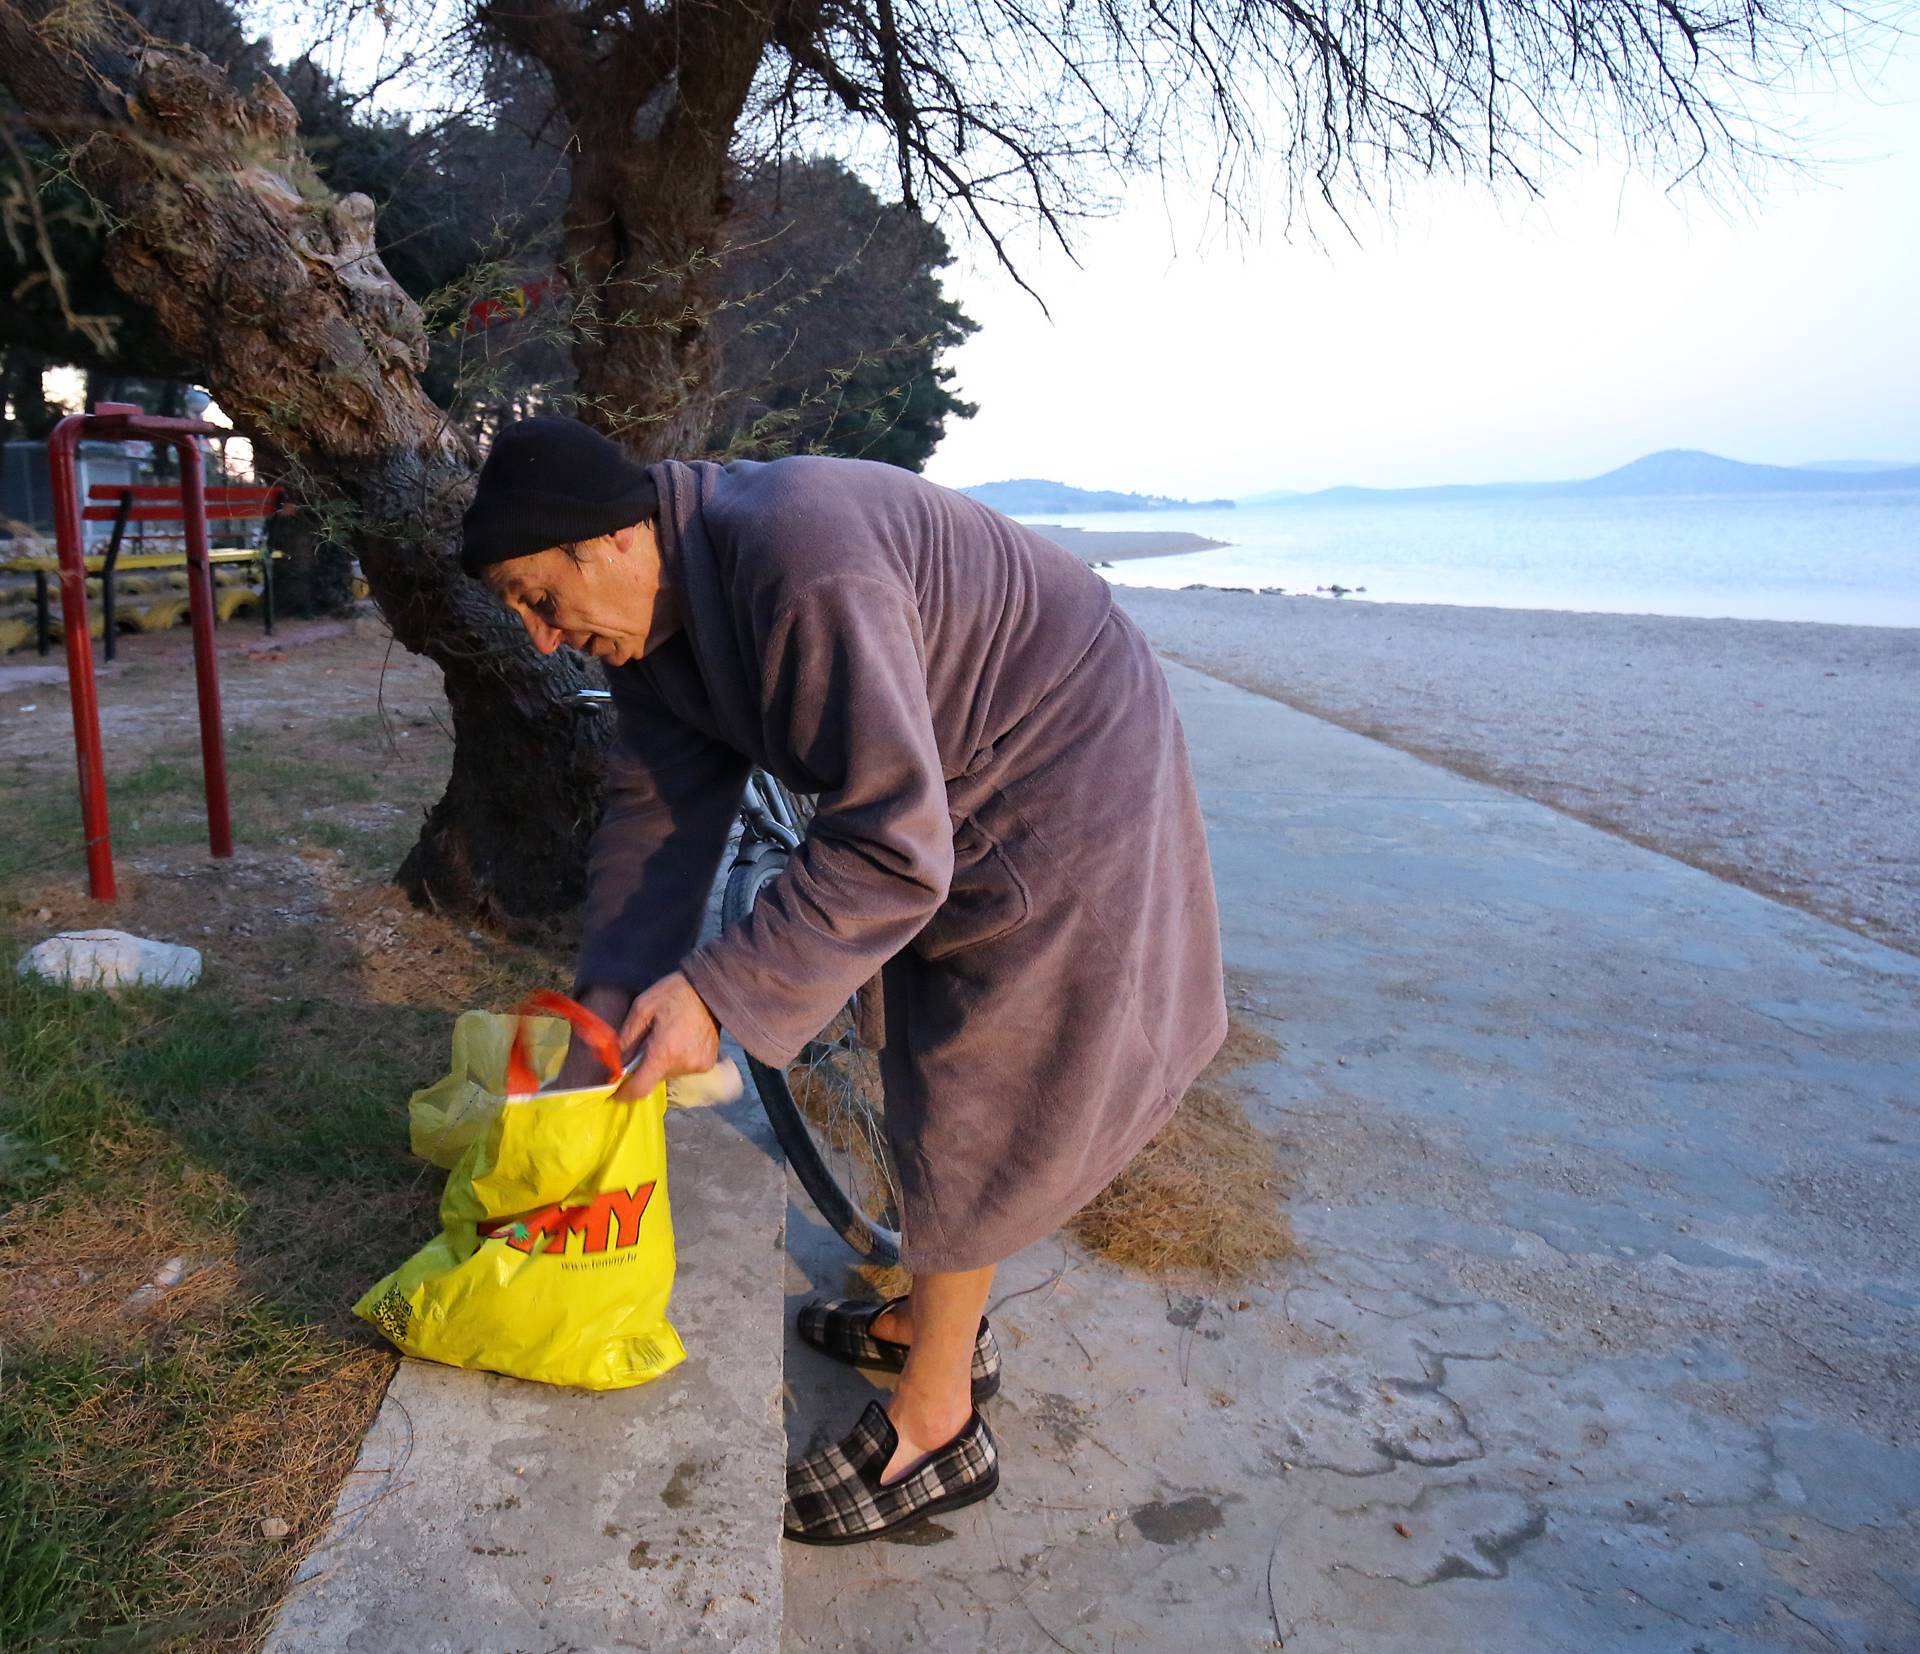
<point x="653" y="103"/>
<point x="272" y="285"/>
<point x="312" y="575"/>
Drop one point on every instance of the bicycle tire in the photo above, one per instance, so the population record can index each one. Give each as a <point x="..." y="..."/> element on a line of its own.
<point x="842" y="1198"/>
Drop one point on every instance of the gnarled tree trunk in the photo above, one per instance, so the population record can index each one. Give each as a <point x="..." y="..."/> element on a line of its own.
<point x="272" y="285"/>
<point x="652" y="100"/>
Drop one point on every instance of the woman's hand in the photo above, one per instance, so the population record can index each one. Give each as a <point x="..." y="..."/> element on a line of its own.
<point x="668" y="1032"/>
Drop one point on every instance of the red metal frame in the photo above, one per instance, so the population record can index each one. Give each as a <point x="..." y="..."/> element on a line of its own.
<point x="122" y="422"/>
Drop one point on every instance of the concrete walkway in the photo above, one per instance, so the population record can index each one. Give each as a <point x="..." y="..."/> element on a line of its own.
<point x="1605" y="1331"/>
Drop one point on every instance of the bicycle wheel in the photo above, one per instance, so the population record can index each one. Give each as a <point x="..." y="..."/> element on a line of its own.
<point x="827" y="1106"/>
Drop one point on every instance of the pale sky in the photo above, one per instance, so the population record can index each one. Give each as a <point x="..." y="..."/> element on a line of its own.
<point x="1470" y="341"/>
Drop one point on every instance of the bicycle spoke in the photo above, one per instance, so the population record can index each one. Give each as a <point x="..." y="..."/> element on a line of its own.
<point x="835" y="1082"/>
<point x="828" y="1104"/>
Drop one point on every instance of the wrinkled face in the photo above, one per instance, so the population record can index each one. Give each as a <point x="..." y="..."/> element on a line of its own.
<point x="603" y="597"/>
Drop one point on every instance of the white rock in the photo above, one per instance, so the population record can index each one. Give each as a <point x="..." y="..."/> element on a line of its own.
<point x="169" y="1275"/>
<point x="111" y="959"/>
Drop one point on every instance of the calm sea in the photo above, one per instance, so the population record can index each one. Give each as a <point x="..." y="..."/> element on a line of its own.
<point x="1849" y="558"/>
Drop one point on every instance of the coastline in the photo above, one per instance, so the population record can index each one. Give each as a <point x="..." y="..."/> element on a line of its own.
<point x="1120" y="545"/>
<point x="1781" y="755"/>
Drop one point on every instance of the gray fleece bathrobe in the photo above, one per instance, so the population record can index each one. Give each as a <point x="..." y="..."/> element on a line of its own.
<point x="1006" y="831"/>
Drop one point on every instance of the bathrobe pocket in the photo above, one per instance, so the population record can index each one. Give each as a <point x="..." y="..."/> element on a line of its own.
<point x="986" y="900"/>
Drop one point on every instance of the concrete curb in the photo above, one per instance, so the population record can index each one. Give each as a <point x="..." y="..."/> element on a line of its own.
<point x="489" y="1514"/>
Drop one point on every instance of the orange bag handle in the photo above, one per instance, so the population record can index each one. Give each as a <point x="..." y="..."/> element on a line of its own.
<point x="594" y="1029"/>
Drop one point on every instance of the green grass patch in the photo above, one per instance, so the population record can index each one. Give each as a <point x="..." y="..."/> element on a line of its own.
<point x="39" y="813"/>
<point x="274" y="789"/>
<point x="80" y="1071"/>
<point x="296" y="1088"/>
<point x="264" y="1140"/>
<point x="68" y="1569"/>
<point x="258" y="764"/>
<point x="374" y="850"/>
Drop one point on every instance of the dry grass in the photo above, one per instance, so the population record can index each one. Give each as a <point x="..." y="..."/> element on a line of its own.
<point x="1202" y="1201"/>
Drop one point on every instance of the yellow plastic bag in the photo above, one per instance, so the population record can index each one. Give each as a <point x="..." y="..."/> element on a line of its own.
<point x="555" y="1261"/>
<point x="447" y="1119"/>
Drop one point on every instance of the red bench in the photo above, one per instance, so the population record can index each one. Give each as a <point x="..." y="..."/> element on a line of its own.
<point x="143" y="503"/>
<point x="160" y="503"/>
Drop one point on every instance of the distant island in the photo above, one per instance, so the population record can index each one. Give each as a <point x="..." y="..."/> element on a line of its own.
<point x="1030" y="495"/>
<point x="1673" y="471"/>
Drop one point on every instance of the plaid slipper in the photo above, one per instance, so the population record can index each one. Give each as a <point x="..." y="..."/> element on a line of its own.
<point x="834" y="1497"/>
<point x="843" y="1329"/>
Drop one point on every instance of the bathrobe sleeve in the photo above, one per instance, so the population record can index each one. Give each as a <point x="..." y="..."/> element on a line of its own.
<point x="671" y="796"/>
<point x="844" y="691"/>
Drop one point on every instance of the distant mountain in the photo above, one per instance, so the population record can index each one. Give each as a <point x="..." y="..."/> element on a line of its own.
<point x="1688" y="471"/>
<point x="1674" y="471"/>
<point x="1273" y="496"/>
<point x="1030" y="495"/>
<point x="1855" y="465"/>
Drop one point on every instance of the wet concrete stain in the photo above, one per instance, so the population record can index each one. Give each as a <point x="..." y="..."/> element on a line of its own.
<point x="638" y="1557"/>
<point x="1179" y="1521"/>
<point x="1061" y="1419"/>
<point x="1493" y="1552"/>
<point x="679" y="1489"/>
<point x="922" y="1533"/>
<point x="1185" y="1313"/>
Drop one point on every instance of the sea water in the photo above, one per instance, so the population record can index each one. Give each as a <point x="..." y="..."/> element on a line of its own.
<point x="1852" y="558"/>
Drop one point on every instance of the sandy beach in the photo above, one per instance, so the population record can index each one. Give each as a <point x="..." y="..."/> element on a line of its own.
<point x="1118" y="545"/>
<point x="1783" y="756"/>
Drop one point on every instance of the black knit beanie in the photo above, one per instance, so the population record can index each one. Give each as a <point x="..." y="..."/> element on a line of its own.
<point x="550" y="481"/>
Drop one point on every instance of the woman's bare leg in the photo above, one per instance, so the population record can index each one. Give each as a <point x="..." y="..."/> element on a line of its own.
<point x="934" y="1398"/>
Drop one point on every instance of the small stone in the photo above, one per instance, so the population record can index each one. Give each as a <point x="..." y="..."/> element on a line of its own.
<point x="1403" y="1530"/>
<point x="274" y="1528"/>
